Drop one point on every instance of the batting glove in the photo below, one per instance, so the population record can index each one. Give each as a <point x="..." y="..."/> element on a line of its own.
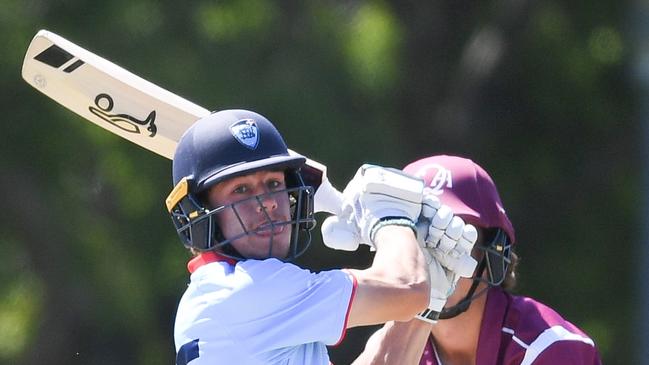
<point x="374" y="198"/>
<point x="447" y="243"/>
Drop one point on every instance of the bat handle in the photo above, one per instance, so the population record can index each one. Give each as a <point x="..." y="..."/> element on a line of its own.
<point x="328" y="198"/>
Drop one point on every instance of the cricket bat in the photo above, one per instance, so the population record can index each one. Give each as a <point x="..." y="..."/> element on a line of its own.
<point x="126" y="104"/>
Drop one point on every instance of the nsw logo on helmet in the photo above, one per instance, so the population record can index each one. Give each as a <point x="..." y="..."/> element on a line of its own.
<point x="440" y="177"/>
<point x="245" y="132"/>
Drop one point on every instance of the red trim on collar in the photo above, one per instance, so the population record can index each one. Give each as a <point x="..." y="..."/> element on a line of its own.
<point x="206" y="258"/>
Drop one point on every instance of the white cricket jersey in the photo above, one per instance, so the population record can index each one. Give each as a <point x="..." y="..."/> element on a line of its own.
<point x="260" y="312"/>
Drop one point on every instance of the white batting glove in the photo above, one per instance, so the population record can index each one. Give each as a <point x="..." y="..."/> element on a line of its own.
<point x="341" y="234"/>
<point x="442" y="285"/>
<point x="447" y="243"/>
<point x="374" y="198"/>
<point x="453" y="239"/>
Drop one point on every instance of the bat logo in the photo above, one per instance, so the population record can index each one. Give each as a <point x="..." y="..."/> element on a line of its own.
<point x="104" y="104"/>
<point x="245" y="131"/>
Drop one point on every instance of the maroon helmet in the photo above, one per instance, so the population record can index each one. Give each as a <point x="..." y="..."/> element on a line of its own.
<point x="469" y="190"/>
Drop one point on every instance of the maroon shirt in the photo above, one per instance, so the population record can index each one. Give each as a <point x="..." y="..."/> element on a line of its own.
<point x="520" y="330"/>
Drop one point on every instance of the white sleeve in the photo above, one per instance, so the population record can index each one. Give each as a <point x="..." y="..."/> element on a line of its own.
<point x="288" y="306"/>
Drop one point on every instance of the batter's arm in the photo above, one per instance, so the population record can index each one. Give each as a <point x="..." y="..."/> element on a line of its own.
<point x="396" y="286"/>
<point x="396" y="343"/>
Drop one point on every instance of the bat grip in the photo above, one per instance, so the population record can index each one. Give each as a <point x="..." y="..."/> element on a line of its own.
<point x="328" y="198"/>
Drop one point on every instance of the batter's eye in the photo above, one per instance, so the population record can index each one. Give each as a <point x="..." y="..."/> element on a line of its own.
<point x="240" y="189"/>
<point x="274" y="184"/>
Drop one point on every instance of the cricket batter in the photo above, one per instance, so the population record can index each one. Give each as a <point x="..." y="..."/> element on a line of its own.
<point x="243" y="207"/>
<point x="482" y="323"/>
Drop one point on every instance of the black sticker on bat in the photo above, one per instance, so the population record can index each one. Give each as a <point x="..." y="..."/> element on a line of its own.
<point x="73" y="66"/>
<point x="54" y="56"/>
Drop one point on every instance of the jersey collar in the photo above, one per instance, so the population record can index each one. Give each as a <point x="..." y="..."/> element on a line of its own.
<point x="496" y="316"/>
<point x="208" y="257"/>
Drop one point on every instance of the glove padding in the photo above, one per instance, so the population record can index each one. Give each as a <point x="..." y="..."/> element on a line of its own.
<point x="375" y="194"/>
<point x="449" y="235"/>
<point x="447" y="243"/>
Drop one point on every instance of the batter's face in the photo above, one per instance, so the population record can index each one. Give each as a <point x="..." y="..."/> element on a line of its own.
<point x="254" y="213"/>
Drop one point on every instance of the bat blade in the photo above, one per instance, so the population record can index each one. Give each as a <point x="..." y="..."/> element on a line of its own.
<point x="107" y="94"/>
<point x="126" y="104"/>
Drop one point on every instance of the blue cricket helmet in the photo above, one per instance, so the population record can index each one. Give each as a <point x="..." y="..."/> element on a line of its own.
<point x="230" y="143"/>
<point x="221" y="146"/>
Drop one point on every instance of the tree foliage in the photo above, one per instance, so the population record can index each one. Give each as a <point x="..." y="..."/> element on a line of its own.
<point x="536" y="92"/>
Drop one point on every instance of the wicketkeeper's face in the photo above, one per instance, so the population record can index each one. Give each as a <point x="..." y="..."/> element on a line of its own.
<point x="258" y="216"/>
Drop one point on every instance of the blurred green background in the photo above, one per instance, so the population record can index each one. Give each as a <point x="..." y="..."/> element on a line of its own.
<point x="542" y="94"/>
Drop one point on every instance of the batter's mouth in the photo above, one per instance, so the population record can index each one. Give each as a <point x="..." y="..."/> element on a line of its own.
<point x="269" y="229"/>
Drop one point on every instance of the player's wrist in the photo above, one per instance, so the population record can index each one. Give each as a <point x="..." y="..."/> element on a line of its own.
<point x="435" y="306"/>
<point x="428" y="315"/>
<point x="386" y="227"/>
